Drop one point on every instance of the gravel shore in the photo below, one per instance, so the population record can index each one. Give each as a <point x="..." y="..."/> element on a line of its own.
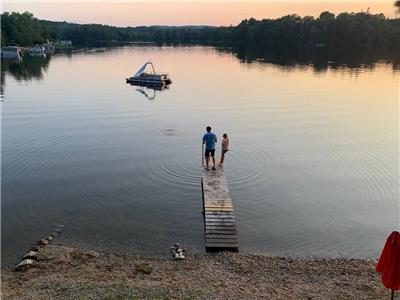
<point x="70" y="273"/>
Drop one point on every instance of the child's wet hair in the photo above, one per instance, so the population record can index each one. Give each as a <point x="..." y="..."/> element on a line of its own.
<point x="225" y="135"/>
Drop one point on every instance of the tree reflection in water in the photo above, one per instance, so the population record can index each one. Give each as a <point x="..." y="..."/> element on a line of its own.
<point x="319" y="58"/>
<point x="30" y="67"/>
<point x="26" y="69"/>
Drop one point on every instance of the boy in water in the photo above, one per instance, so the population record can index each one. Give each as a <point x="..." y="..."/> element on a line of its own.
<point x="224" y="147"/>
<point x="209" y="139"/>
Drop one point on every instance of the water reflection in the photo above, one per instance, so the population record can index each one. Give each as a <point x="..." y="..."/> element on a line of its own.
<point x="312" y="169"/>
<point x="150" y="91"/>
<point x="320" y="58"/>
<point x="30" y="67"/>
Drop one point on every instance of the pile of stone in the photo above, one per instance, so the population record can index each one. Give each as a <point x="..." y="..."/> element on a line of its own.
<point x="32" y="255"/>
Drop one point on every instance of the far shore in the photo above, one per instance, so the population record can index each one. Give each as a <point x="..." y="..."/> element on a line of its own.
<point x="71" y="273"/>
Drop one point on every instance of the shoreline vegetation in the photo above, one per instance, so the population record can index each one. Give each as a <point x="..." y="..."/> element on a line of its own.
<point x="346" y="32"/>
<point x="71" y="273"/>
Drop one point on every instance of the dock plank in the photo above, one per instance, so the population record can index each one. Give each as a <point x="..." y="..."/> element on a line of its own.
<point x="222" y="246"/>
<point x="220" y="236"/>
<point x="219" y="231"/>
<point x="219" y="217"/>
<point x="218" y="209"/>
<point x="220" y="226"/>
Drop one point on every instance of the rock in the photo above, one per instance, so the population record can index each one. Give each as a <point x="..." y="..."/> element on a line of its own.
<point x="24" y="264"/>
<point x="50" y="237"/>
<point x="42" y="242"/>
<point x="34" y="248"/>
<point x="31" y="255"/>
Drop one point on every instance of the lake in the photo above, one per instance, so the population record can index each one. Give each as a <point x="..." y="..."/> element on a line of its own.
<point x="313" y="166"/>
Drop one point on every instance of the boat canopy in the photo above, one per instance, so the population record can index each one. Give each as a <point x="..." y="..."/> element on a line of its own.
<point x="10" y="48"/>
<point x="141" y="70"/>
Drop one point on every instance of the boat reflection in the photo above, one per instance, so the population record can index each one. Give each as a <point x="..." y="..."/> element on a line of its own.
<point x="27" y="68"/>
<point x="150" y="91"/>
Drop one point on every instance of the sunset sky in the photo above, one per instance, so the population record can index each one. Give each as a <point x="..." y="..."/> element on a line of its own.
<point x="131" y="13"/>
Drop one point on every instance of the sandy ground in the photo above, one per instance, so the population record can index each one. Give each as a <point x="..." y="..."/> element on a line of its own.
<point x="69" y="273"/>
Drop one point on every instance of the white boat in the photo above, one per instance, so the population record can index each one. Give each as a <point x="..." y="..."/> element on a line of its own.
<point x="11" y="52"/>
<point x="36" y="50"/>
<point x="148" y="79"/>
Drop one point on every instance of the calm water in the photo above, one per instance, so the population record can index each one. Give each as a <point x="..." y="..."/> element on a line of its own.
<point x="313" y="166"/>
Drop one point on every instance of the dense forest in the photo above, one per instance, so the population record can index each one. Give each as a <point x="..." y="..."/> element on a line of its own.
<point x="354" y="31"/>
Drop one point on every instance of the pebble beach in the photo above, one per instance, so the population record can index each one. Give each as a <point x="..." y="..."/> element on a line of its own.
<point x="69" y="273"/>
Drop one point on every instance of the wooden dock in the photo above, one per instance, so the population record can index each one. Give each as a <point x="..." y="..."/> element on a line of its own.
<point x="219" y="217"/>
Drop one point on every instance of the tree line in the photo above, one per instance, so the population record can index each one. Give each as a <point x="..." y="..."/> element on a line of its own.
<point x="346" y="31"/>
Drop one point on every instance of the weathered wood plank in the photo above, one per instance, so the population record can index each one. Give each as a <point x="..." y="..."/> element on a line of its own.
<point x="220" y="221"/>
<point x="214" y="218"/>
<point x="212" y="210"/>
<point x="217" y="209"/>
<point x="221" y="232"/>
<point x="219" y="213"/>
<point x="211" y="221"/>
<point x="225" y="226"/>
<point x="216" y="204"/>
<point x="220" y="226"/>
<point x="216" y="193"/>
<point x="232" y="240"/>
<point x="223" y="205"/>
<point x="228" y="243"/>
<point x="219" y="217"/>
<point x="214" y="231"/>
<point x="220" y="236"/>
<point x="222" y="246"/>
<point x="210" y="215"/>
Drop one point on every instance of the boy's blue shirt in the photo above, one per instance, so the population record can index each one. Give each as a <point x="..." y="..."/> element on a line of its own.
<point x="210" y="139"/>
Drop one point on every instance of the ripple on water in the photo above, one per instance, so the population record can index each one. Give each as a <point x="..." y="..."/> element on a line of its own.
<point x="245" y="166"/>
<point x="377" y="182"/>
<point x="33" y="155"/>
<point x="170" y="131"/>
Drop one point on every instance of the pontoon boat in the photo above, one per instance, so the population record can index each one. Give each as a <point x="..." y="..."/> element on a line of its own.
<point x="148" y="79"/>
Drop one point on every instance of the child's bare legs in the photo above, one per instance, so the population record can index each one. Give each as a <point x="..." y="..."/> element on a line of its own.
<point x="222" y="157"/>
<point x="208" y="153"/>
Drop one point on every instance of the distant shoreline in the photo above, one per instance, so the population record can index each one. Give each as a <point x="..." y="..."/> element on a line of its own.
<point x="370" y="32"/>
<point x="71" y="273"/>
